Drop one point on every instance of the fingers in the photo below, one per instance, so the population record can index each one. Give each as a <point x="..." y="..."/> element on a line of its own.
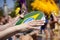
<point x="36" y="23"/>
<point x="36" y="28"/>
<point x="21" y="16"/>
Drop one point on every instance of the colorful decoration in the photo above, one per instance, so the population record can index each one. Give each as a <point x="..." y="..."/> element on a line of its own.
<point x="32" y="16"/>
<point x="23" y="1"/>
<point x="21" y="6"/>
<point x="47" y="6"/>
<point x="17" y="11"/>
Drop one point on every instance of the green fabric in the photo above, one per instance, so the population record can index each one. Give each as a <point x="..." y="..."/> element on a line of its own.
<point x="29" y="15"/>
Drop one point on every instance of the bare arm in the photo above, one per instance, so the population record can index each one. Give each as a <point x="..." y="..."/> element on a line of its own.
<point x="10" y="24"/>
<point x="13" y="22"/>
<point x="10" y="31"/>
<point x="54" y="17"/>
<point x="13" y="30"/>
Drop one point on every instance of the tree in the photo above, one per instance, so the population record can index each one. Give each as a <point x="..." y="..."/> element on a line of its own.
<point x="13" y="14"/>
<point x="1" y="11"/>
<point x="28" y="2"/>
<point x="4" y="1"/>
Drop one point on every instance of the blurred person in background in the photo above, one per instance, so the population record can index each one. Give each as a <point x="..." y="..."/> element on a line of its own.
<point x="52" y="22"/>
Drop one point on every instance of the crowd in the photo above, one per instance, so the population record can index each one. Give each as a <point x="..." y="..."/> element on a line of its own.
<point x="8" y="28"/>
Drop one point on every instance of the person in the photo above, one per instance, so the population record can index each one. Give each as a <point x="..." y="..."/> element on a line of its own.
<point x="2" y="20"/>
<point x="10" y="22"/>
<point x="52" y="22"/>
<point x="44" y="27"/>
<point x="13" y="30"/>
<point x="26" y="37"/>
<point x="57" y="25"/>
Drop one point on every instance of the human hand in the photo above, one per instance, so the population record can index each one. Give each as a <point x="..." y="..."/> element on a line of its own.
<point x="26" y="37"/>
<point x="22" y="16"/>
<point x="54" y="17"/>
<point x="35" y="23"/>
<point x="29" y="25"/>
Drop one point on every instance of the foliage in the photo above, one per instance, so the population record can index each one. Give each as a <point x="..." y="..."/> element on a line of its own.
<point x="28" y="2"/>
<point x="1" y="12"/>
<point x="13" y="14"/>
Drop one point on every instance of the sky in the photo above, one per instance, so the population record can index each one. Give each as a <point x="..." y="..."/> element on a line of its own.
<point x="10" y="3"/>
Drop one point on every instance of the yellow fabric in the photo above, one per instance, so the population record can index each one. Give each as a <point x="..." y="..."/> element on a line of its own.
<point x="17" y="11"/>
<point x="46" y="6"/>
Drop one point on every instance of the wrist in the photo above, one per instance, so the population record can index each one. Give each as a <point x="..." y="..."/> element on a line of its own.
<point x="19" y="27"/>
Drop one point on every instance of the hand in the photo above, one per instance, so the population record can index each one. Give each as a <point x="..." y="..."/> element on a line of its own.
<point x="22" y="16"/>
<point x="31" y="24"/>
<point x="35" y="23"/>
<point x="55" y="18"/>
